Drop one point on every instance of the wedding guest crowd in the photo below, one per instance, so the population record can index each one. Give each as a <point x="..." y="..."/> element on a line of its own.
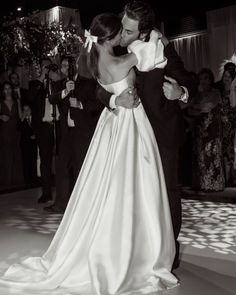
<point x="52" y="123"/>
<point x="211" y="120"/>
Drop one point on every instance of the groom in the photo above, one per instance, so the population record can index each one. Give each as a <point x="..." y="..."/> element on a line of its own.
<point x="160" y="92"/>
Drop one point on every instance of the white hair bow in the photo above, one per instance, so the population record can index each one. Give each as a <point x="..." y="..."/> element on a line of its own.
<point x="90" y="39"/>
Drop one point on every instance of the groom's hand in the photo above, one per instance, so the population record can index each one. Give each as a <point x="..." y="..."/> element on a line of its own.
<point x="171" y="89"/>
<point x="128" y="99"/>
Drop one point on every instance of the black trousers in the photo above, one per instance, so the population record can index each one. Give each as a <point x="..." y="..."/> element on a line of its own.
<point x="29" y="157"/>
<point x="72" y="151"/>
<point x="45" y="139"/>
<point x="170" y="160"/>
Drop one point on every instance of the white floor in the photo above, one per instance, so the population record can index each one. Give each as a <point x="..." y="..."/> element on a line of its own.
<point x="208" y="241"/>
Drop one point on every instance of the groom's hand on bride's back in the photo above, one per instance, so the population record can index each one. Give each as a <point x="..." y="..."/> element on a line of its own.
<point x="128" y="99"/>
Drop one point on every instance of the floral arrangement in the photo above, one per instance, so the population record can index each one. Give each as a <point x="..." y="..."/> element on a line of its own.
<point x="25" y="41"/>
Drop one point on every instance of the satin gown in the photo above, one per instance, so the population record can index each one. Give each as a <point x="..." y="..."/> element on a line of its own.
<point x="116" y="235"/>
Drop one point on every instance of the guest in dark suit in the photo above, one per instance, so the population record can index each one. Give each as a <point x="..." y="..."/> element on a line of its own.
<point x="28" y="146"/>
<point x="79" y="112"/>
<point x="160" y="92"/>
<point x="19" y="92"/>
<point x="43" y="124"/>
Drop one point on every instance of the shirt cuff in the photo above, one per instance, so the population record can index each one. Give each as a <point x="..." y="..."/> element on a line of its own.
<point x="112" y="103"/>
<point x="64" y="93"/>
<point x="185" y="95"/>
<point x="80" y="105"/>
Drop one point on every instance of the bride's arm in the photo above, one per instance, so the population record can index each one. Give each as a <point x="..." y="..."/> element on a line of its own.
<point x="150" y="55"/>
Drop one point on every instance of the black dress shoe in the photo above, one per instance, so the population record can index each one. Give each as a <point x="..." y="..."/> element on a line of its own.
<point x="44" y="199"/>
<point x="54" y="209"/>
<point x="175" y="264"/>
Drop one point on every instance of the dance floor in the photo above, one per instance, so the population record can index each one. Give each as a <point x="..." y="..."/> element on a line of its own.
<point x="208" y="241"/>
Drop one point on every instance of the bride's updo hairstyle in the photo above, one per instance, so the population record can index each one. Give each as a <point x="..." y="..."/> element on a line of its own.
<point x="105" y="27"/>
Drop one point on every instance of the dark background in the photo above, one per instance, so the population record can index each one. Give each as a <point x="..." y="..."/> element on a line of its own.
<point x="166" y="10"/>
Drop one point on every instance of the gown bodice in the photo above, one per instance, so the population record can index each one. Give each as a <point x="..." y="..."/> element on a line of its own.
<point x="119" y="86"/>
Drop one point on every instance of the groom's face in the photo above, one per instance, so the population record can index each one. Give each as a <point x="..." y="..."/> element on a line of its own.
<point x="130" y="31"/>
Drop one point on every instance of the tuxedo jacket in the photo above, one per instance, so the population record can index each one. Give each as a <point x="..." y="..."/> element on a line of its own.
<point x="85" y="119"/>
<point x="37" y="96"/>
<point x="26" y="131"/>
<point x="62" y="104"/>
<point x="164" y="115"/>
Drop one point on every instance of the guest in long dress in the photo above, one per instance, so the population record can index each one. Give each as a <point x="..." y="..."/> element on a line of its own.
<point x="207" y="136"/>
<point x="11" y="173"/>
<point x="228" y="118"/>
<point x="43" y="125"/>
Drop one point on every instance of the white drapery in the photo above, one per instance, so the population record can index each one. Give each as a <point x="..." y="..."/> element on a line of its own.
<point x="221" y="25"/>
<point x="193" y="50"/>
<point x="58" y="14"/>
<point x="212" y="47"/>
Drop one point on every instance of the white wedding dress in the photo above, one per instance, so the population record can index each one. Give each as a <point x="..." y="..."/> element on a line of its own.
<point x="116" y="235"/>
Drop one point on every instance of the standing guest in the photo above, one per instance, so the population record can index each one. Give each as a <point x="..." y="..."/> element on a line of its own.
<point x="28" y="146"/>
<point x="43" y="124"/>
<point x="11" y="173"/>
<point x="79" y="112"/>
<point x="230" y="67"/>
<point x="228" y="118"/>
<point x="207" y="170"/>
<point x="19" y="92"/>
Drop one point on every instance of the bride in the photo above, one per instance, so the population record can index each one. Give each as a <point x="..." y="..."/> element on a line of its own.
<point x="116" y="235"/>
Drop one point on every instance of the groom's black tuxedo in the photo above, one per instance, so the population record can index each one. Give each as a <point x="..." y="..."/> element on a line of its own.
<point x="164" y="115"/>
<point x="166" y="119"/>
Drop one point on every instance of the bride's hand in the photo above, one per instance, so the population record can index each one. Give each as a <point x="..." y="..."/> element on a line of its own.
<point x="128" y="98"/>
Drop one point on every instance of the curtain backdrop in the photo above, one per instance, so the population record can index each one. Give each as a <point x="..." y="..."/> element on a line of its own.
<point x="213" y="47"/>
<point x="193" y="50"/>
<point x="221" y="24"/>
<point x="58" y="14"/>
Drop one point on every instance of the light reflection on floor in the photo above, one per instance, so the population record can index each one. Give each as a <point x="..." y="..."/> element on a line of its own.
<point x="205" y="224"/>
<point x="209" y="225"/>
<point x="33" y="219"/>
<point x="208" y="241"/>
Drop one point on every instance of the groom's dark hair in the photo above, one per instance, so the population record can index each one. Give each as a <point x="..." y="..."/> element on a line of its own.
<point x="143" y="13"/>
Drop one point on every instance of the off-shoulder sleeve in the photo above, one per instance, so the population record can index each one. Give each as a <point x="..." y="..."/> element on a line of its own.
<point x="150" y="54"/>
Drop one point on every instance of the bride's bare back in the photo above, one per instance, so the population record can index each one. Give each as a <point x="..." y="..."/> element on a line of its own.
<point x="113" y="69"/>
